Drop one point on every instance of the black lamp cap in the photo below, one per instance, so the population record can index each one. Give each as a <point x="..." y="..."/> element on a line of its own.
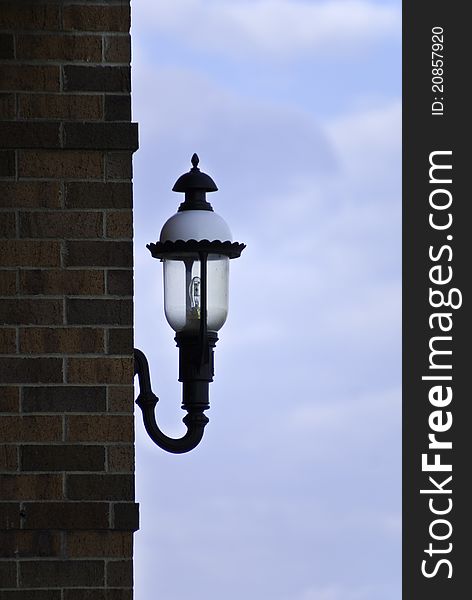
<point x="195" y="185"/>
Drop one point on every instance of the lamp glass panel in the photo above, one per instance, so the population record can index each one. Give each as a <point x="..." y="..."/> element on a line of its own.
<point x="183" y="292"/>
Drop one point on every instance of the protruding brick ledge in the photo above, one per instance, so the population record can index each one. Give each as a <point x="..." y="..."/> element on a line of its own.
<point x="59" y="135"/>
<point x="69" y="516"/>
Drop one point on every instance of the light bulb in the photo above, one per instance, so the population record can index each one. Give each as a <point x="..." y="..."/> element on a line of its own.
<point x="194" y="308"/>
<point x="183" y="292"/>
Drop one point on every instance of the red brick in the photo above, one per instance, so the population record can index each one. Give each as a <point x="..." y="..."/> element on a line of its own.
<point x="121" y="398"/>
<point x="120" y="573"/>
<point x="31" y="429"/>
<point x="31" y="312"/>
<point x="64" y="399"/>
<point x="66" y="515"/>
<point x="119" y="224"/>
<point x="62" y="282"/>
<point x="54" y="106"/>
<point x="9" y="399"/>
<point x="89" y="594"/>
<point x="99" y="254"/>
<point x="62" y="573"/>
<point x="8" y="459"/>
<point x="20" y="253"/>
<point x="120" y="282"/>
<point x="118" y="49"/>
<point x="61" y="224"/>
<point x="62" y="340"/>
<point x="7" y="46"/>
<point x="9" y="515"/>
<point x="7" y="163"/>
<point x="7" y="106"/>
<point x="38" y="78"/>
<point x="67" y="164"/>
<point x="126" y="516"/>
<point x="99" y="370"/>
<point x="98" y="195"/>
<point x="119" y="136"/>
<point x="8" y="575"/>
<point x="20" y="134"/>
<point x="119" y="165"/>
<point x="108" y="544"/>
<point x="120" y="459"/>
<point x="120" y="341"/>
<point x="99" y="312"/>
<point x="7" y="225"/>
<point x="7" y="341"/>
<point x="31" y="370"/>
<point x="30" y="15"/>
<point x="96" y="79"/>
<point x="117" y="107"/>
<point x="31" y="595"/>
<point x="109" y="428"/>
<point x="30" y="487"/>
<point x="64" y="47"/>
<point x="100" y="487"/>
<point x="30" y="194"/>
<point x="26" y="544"/>
<point x="65" y="457"/>
<point x="97" y="18"/>
<point x="7" y="283"/>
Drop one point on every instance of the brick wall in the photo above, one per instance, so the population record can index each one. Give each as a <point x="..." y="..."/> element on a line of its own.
<point x="67" y="511"/>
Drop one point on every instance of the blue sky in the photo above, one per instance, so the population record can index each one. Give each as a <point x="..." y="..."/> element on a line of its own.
<point x="294" y="108"/>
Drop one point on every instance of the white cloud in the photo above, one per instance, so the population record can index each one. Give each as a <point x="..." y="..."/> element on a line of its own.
<point x="257" y="151"/>
<point x="368" y="143"/>
<point x="376" y="412"/>
<point x="266" y="154"/>
<point x="273" y="28"/>
<point x="342" y="592"/>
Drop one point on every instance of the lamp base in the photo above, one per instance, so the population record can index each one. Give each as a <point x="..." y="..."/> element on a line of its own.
<point x="196" y="356"/>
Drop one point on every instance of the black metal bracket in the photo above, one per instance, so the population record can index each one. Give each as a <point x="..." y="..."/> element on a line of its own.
<point x="195" y="373"/>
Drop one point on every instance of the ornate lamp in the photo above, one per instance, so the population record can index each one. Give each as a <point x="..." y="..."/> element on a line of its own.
<point x="195" y="246"/>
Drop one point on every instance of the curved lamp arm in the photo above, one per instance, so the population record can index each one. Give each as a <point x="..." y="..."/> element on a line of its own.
<point x="195" y="401"/>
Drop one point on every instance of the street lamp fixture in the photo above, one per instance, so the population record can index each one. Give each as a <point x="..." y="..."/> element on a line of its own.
<point x="195" y="246"/>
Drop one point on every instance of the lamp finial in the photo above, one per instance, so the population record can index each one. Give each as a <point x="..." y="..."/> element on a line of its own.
<point x="195" y="160"/>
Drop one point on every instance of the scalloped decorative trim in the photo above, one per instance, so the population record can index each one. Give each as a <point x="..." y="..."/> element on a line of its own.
<point x="163" y="249"/>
